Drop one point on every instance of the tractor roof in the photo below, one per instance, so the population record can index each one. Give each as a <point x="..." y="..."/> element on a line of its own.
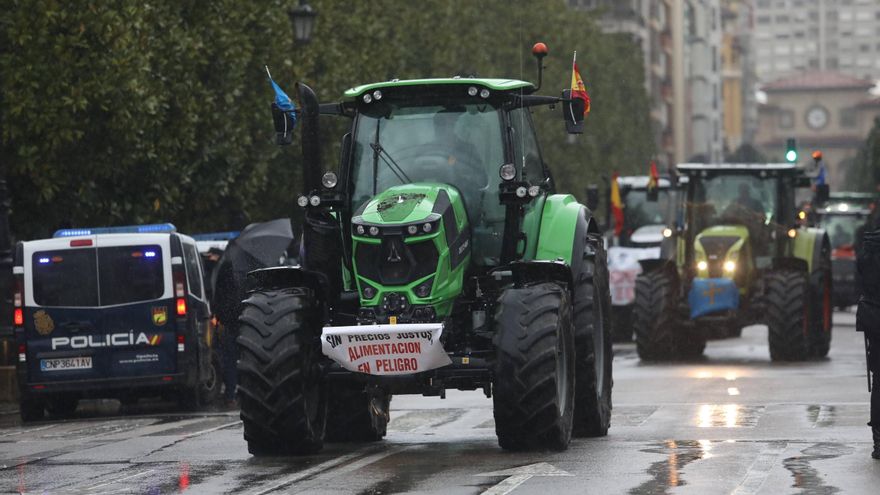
<point x="641" y="181"/>
<point x="690" y="168"/>
<point x="492" y="84"/>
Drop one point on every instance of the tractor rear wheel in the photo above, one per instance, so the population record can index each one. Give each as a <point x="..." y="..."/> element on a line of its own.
<point x="280" y="386"/>
<point x="356" y="415"/>
<point x="655" y="315"/>
<point x="535" y="368"/>
<point x="821" y="305"/>
<point x="787" y="315"/>
<point x="592" y="336"/>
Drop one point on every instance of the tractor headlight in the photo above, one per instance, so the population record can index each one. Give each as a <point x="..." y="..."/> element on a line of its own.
<point x="702" y="265"/>
<point x="329" y="180"/>
<point x="507" y="171"/>
<point x="360" y="230"/>
<point x="729" y="266"/>
<point x="374" y="231"/>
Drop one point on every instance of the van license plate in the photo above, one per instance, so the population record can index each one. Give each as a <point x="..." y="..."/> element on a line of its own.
<point x="74" y="363"/>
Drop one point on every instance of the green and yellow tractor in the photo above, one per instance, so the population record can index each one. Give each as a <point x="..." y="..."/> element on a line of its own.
<point x="741" y="259"/>
<point x="439" y="256"/>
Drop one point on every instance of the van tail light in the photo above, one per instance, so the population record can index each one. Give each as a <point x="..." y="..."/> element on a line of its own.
<point x="18" y="317"/>
<point x="80" y="242"/>
<point x="180" y="345"/>
<point x="181" y="306"/>
<point x="22" y="353"/>
<point x="179" y="283"/>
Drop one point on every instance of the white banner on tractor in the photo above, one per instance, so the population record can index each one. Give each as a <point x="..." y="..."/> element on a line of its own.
<point x="386" y="349"/>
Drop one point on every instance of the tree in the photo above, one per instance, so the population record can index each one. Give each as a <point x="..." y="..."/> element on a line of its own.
<point x="864" y="173"/>
<point x="130" y="112"/>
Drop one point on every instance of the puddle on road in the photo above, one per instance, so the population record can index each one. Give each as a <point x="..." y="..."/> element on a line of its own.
<point x="808" y="478"/>
<point x="414" y="419"/>
<point x="666" y="474"/>
<point x="728" y="416"/>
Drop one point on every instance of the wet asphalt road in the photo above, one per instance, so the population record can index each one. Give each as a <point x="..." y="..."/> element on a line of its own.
<point x="731" y="423"/>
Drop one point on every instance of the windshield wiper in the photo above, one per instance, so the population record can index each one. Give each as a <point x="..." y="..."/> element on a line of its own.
<point x="378" y="151"/>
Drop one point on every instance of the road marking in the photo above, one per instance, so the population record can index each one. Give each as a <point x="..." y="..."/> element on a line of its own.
<point x="332" y="473"/>
<point x="519" y="475"/>
<point x="124" y="478"/>
<point x="29" y="430"/>
<point x="732" y="391"/>
<point x="760" y="469"/>
<point x="308" y="473"/>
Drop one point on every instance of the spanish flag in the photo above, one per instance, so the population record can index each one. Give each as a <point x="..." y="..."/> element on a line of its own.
<point x="653" y="176"/>
<point x="578" y="90"/>
<point x="616" y="205"/>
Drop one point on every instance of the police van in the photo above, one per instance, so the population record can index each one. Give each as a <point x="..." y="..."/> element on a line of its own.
<point x="111" y="312"/>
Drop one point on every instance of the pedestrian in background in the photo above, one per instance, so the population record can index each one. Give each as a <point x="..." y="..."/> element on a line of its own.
<point x="868" y="313"/>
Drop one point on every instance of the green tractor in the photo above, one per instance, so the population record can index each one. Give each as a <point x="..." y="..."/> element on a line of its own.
<point x="439" y="257"/>
<point x="741" y="259"/>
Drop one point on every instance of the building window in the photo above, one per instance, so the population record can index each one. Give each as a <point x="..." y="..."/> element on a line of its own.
<point x="763" y="19"/>
<point x="786" y="119"/>
<point x="831" y="62"/>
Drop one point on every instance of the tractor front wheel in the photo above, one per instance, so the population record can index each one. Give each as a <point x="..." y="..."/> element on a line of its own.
<point x="788" y="315"/>
<point x="655" y="321"/>
<point x="535" y="368"/>
<point x="356" y="415"/>
<point x="280" y="386"/>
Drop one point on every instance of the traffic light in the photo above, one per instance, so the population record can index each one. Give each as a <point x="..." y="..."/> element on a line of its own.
<point x="790" y="150"/>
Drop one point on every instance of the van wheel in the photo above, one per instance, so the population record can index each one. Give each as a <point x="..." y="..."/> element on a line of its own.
<point x="63" y="406"/>
<point x="210" y="387"/>
<point x="31" y="409"/>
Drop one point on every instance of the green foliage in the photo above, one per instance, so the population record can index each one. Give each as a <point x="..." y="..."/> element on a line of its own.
<point x="124" y="112"/>
<point x="864" y="172"/>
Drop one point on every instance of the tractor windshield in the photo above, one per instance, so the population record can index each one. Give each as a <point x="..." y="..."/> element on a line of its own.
<point x="456" y="144"/>
<point x="734" y="198"/>
<point x="638" y="211"/>
<point x="841" y="229"/>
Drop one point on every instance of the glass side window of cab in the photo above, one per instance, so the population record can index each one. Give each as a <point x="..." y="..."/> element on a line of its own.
<point x="92" y="277"/>
<point x="193" y="271"/>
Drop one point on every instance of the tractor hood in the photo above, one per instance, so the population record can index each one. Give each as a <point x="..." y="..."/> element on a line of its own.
<point x="411" y="247"/>
<point x="413" y="203"/>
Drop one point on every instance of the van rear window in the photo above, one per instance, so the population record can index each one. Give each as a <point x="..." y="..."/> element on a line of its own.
<point x="103" y="277"/>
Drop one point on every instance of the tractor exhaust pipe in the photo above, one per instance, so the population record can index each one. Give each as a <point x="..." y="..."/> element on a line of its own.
<point x="311" y="148"/>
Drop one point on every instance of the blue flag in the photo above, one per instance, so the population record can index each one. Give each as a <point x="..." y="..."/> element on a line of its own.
<point x="283" y="101"/>
<point x="820" y="179"/>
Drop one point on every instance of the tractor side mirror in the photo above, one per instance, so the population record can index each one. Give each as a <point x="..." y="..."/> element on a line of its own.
<point x="283" y="126"/>
<point x="592" y="197"/>
<point x="572" y="113"/>
<point x="822" y="193"/>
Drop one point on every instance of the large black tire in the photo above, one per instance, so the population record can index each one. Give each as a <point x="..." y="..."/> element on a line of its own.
<point x="787" y="313"/>
<point x="535" y="368"/>
<point x="280" y="387"/>
<point x="594" y="354"/>
<point x="31" y="409"/>
<point x="356" y="415"/>
<point x="62" y="406"/>
<point x="212" y="384"/>
<point x="821" y="305"/>
<point x="655" y="315"/>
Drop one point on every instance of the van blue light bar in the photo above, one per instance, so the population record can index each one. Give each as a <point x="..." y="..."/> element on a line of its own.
<point x="156" y="228"/>
<point x="216" y="236"/>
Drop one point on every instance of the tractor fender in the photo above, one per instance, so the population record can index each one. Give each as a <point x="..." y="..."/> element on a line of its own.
<point x="565" y="227"/>
<point x="809" y="245"/>
<point x="532" y="272"/>
<point x="289" y="277"/>
<point x="650" y="265"/>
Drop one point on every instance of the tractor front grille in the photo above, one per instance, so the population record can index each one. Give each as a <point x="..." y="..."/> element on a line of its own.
<point x="716" y="248"/>
<point x="394" y="262"/>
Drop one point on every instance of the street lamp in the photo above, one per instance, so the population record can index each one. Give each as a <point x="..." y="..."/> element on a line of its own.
<point x="303" y="19"/>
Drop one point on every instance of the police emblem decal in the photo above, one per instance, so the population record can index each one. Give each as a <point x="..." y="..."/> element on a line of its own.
<point x="43" y="323"/>
<point x="160" y="316"/>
